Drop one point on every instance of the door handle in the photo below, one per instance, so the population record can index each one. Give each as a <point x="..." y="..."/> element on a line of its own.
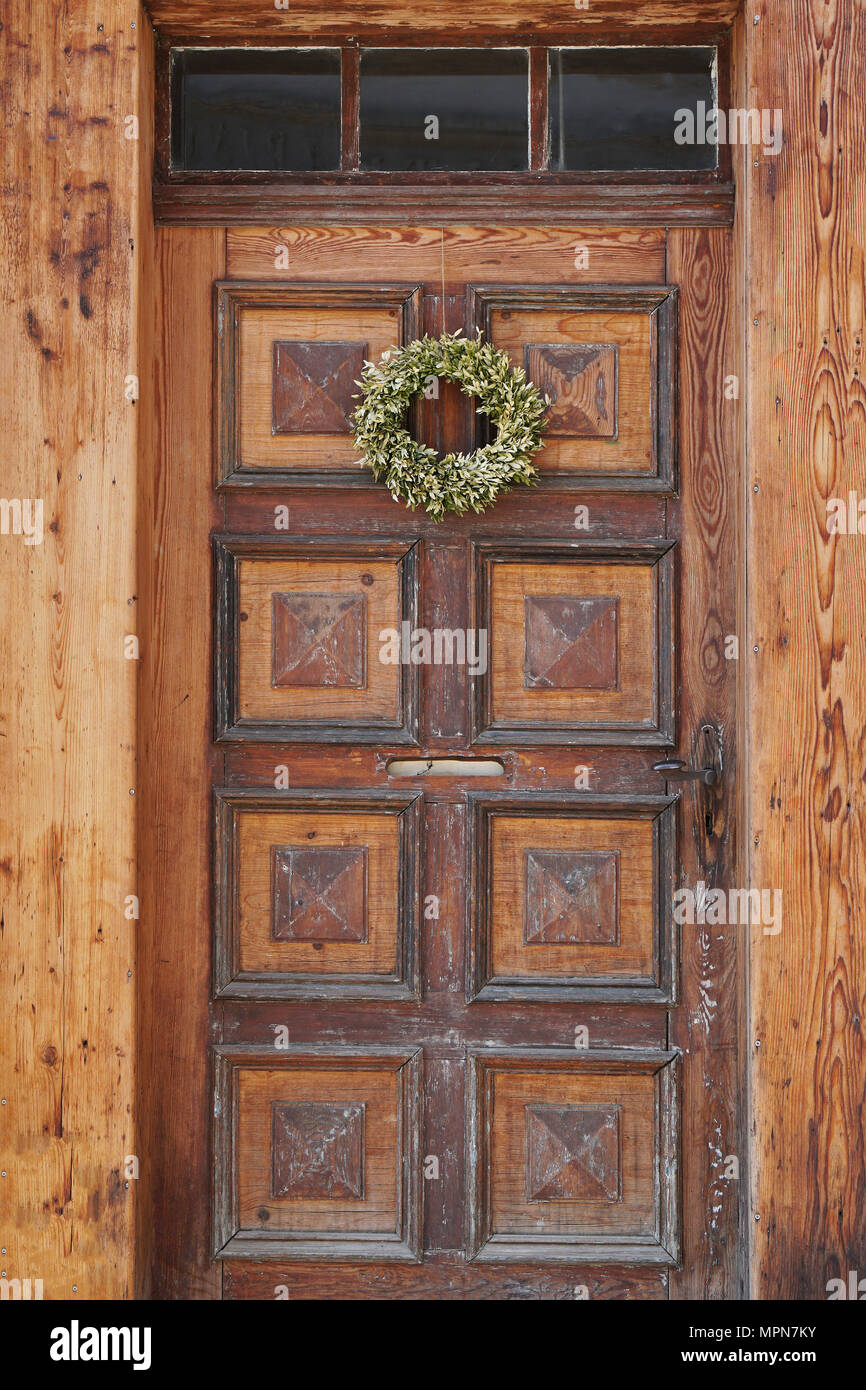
<point x="709" y="750"/>
<point x="678" y="771"/>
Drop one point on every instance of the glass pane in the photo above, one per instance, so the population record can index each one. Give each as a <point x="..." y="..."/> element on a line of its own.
<point x="615" y="108"/>
<point x="242" y="109"/>
<point x="457" y="108"/>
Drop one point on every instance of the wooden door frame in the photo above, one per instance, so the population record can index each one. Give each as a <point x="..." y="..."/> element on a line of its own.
<point x="799" y="237"/>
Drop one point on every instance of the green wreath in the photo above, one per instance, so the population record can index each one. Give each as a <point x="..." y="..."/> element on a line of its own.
<point x="458" y="482"/>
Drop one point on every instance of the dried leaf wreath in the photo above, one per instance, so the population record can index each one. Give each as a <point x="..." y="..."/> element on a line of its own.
<point x="457" y="483"/>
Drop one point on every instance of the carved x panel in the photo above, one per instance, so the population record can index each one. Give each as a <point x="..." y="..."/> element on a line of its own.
<point x="298" y="646"/>
<point x="315" y="385"/>
<point x="319" y="894"/>
<point x="316" y="894"/>
<point x="573" y="1157"/>
<point x="288" y="358"/>
<point x="571" y="897"/>
<point x="319" y="639"/>
<point x="317" y="1150"/>
<point x="581" y="642"/>
<point x="572" y="1153"/>
<point x="580" y="381"/>
<point x="606" y="358"/>
<point x="570" y="643"/>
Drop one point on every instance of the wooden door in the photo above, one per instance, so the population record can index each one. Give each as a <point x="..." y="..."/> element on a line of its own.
<point x="451" y="1040"/>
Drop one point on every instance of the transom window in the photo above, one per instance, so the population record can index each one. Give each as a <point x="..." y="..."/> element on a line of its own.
<point x="320" y="111"/>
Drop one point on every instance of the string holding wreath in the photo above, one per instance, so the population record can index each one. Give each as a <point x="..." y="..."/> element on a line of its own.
<point x="457" y="483"/>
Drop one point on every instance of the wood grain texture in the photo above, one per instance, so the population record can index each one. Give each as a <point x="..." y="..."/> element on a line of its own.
<point x="581" y="383"/>
<point x="354" y="200"/>
<point x="440" y="1278"/>
<point x="178" y="512"/>
<point x="708" y="1028"/>
<point x="229" y="19"/>
<point x="75" y="246"/>
<point x="487" y="253"/>
<point x="377" y="255"/>
<point x="444" y="1025"/>
<point x="430" y="254"/>
<point x="807" y="290"/>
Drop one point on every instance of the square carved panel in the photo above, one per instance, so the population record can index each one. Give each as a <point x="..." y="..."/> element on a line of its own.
<point x="315" y="385"/>
<point x="572" y="899"/>
<point x="289" y="358"/>
<point x="317" y="1150"/>
<point x="570" y="643"/>
<point x="320" y="640"/>
<point x="607" y="359"/>
<point x="580" y="642"/>
<point x="580" y="380"/>
<point x="316" y="894"/>
<point x="316" y="1153"/>
<point x="573" y="1153"/>
<point x="573" y="1157"/>
<point x="319" y="894"/>
<point x="300" y="649"/>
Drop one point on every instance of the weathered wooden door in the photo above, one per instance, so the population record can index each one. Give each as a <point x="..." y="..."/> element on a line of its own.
<point x="458" y="1044"/>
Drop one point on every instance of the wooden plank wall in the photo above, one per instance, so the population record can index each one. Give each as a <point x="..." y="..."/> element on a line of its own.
<point x="75" y="240"/>
<point x="805" y="268"/>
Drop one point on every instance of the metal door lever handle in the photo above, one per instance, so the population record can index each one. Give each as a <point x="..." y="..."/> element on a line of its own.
<point x="678" y="771"/>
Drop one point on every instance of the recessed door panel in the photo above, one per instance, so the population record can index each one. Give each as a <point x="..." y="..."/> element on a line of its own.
<point x="302" y="632"/>
<point x="319" y="1153"/>
<point x="289" y="365"/>
<point x="571" y="899"/>
<point x="606" y="359"/>
<point x="317" y="894"/>
<point x="571" y="1159"/>
<point x="581" y="643"/>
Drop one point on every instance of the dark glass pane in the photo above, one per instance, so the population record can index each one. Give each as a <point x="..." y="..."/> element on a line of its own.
<point x="456" y="108"/>
<point x="615" y="108"/>
<point x="255" y="110"/>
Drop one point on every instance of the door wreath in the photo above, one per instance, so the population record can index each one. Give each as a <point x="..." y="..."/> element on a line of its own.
<point x="457" y="483"/>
